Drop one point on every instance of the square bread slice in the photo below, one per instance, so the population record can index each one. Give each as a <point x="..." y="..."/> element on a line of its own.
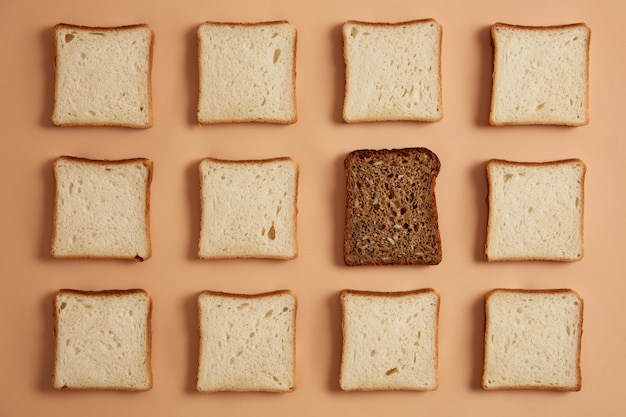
<point x="248" y="209"/>
<point x="540" y="75"/>
<point x="101" y="208"/>
<point x="102" y="340"/>
<point x="535" y="210"/>
<point x="390" y="340"/>
<point x="247" y="342"/>
<point x="103" y="76"/>
<point x="393" y="71"/>
<point x="247" y="72"/>
<point x="533" y="340"/>
<point x="391" y="212"/>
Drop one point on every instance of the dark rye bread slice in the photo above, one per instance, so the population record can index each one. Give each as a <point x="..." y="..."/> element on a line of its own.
<point x="391" y="213"/>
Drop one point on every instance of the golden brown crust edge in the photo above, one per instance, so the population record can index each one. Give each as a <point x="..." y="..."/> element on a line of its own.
<point x="294" y="119"/>
<point x="295" y="219"/>
<point x="495" y="47"/>
<point x="150" y="63"/>
<point x="534" y="164"/>
<point x="244" y="297"/>
<point x="149" y="166"/>
<point x="391" y="294"/>
<point x="578" y="386"/>
<point x="392" y="24"/>
<point x="105" y="293"/>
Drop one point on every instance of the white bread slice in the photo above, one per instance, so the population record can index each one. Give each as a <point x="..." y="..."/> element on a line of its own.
<point x="101" y="208"/>
<point x="247" y="342"/>
<point x="536" y="210"/>
<point x="393" y="71"/>
<point x="533" y="339"/>
<point x="103" y="76"/>
<point x="390" y="340"/>
<point x="102" y="340"/>
<point x="247" y="72"/>
<point x="248" y="209"/>
<point x="540" y="75"/>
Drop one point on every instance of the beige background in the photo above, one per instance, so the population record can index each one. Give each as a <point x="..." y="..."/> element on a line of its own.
<point x="318" y="142"/>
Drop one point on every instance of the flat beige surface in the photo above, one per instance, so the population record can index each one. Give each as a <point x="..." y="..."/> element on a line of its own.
<point x="318" y="142"/>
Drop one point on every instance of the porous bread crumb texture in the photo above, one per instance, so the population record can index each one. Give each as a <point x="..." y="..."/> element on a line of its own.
<point x="247" y="342"/>
<point x="247" y="72"/>
<point x="248" y="209"/>
<point x="393" y="71"/>
<point x="391" y="212"/>
<point x="103" y="76"/>
<point x="389" y="341"/>
<point x="536" y="210"/>
<point x="102" y="340"/>
<point x="533" y="340"/>
<point x="101" y="209"/>
<point x="541" y="75"/>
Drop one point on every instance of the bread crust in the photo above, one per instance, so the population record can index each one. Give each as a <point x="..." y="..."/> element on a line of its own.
<point x="201" y="81"/>
<point x="495" y="47"/>
<point x="249" y="297"/>
<point x="578" y="385"/>
<point x="393" y="24"/>
<point x="490" y="197"/>
<point x="149" y="75"/>
<point x="391" y="294"/>
<point x="104" y="293"/>
<point x="149" y="167"/>
<point x="295" y="206"/>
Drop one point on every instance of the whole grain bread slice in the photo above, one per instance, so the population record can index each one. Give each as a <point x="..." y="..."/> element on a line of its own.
<point x="391" y="210"/>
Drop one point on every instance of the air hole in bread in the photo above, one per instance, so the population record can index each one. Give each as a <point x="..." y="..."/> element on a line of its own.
<point x="277" y="53"/>
<point x="392" y="371"/>
<point x="271" y="234"/>
<point x="69" y="38"/>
